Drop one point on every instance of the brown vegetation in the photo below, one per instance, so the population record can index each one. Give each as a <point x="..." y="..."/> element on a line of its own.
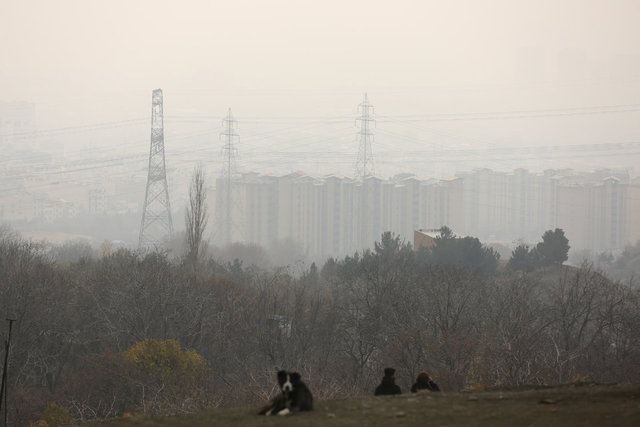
<point x="338" y="327"/>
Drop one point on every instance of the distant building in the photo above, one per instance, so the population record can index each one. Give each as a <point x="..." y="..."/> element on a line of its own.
<point x="51" y="210"/>
<point x="633" y="208"/>
<point x="16" y="207"/>
<point x="335" y="216"/>
<point x="17" y="124"/>
<point x="97" y="200"/>
<point x="425" y="238"/>
<point x="599" y="214"/>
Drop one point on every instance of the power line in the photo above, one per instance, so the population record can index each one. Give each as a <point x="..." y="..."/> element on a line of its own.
<point x="488" y="115"/>
<point x="72" y="129"/>
<point x="518" y="114"/>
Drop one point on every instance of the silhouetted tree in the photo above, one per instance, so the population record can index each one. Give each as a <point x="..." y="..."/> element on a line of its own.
<point x="520" y="258"/>
<point x="196" y="215"/>
<point x="466" y="252"/>
<point x="554" y="248"/>
<point x="311" y="276"/>
<point x="525" y="258"/>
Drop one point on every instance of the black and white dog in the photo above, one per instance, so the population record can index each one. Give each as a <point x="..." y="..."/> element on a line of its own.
<point x="294" y="396"/>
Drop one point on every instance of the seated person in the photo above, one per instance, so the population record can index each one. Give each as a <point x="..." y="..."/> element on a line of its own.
<point x="424" y="382"/>
<point x="388" y="384"/>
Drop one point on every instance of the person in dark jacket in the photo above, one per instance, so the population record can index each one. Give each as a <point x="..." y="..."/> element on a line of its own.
<point x="388" y="384"/>
<point x="423" y="383"/>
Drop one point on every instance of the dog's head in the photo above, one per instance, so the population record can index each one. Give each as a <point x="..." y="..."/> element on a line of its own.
<point x="286" y="380"/>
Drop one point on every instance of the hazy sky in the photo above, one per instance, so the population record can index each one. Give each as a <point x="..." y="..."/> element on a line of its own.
<point x="87" y="61"/>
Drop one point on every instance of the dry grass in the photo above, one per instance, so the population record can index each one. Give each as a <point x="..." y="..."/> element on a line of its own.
<point x="578" y="404"/>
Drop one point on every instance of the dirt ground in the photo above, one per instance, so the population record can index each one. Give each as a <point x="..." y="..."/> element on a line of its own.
<point x="572" y="405"/>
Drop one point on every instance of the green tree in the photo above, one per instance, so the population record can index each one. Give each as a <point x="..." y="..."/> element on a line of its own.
<point x="445" y="233"/>
<point x="467" y="252"/>
<point x="554" y="248"/>
<point x="525" y="258"/>
<point x="311" y="276"/>
<point x="519" y="258"/>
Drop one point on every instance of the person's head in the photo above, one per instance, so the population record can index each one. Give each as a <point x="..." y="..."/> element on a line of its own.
<point x="423" y="377"/>
<point x="389" y="372"/>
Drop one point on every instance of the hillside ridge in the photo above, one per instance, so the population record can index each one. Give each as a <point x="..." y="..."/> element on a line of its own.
<point x="567" y="405"/>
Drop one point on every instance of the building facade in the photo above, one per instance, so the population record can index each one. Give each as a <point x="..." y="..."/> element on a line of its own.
<point x="335" y="216"/>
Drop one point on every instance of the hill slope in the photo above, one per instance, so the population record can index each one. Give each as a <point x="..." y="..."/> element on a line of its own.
<point x="574" y="405"/>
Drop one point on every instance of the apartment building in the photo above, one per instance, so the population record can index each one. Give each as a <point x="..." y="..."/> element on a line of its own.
<point x="598" y="212"/>
<point x="333" y="216"/>
<point x="633" y="207"/>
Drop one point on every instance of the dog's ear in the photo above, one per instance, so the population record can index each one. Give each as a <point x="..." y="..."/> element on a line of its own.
<point x="282" y="375"/>
<point x="294" y="376"/>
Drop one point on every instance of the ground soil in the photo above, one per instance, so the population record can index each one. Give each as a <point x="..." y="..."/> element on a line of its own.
<point x="585" y="404"/>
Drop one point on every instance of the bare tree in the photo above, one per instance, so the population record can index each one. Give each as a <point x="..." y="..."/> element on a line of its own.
<point x="196" y="214"/>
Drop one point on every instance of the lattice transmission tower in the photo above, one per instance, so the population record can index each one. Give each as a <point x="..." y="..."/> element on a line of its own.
<point x="156" y="215"/>
<point x="364" y="162"/>
<point x="229" y="174"/>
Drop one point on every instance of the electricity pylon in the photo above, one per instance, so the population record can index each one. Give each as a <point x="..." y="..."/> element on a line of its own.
<point x="364" y="162"/>
<point x="228" y="175"/>
<point x="156" y="215"/>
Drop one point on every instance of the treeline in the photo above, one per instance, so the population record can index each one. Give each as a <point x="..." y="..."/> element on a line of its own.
<point x="625" y="267"/>
<point x="141" y="333"/>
